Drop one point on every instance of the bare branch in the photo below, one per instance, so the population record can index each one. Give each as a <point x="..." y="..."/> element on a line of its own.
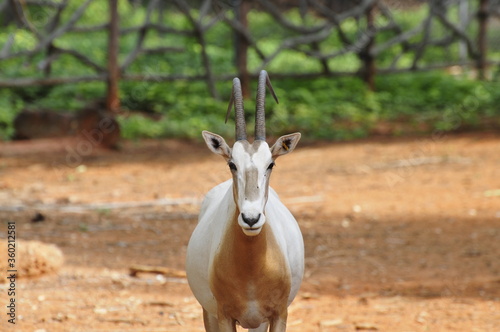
<point x="239" y="28"/>
<point x="399" y="39"/>
<point x="162" y="49"/>
<point x="61" y="30"/>
<point x="93" y="28"/>
<point x="141" y="35"/>
<point x="200" y="35"/>
<point x="57" y="17"/>
<point x="294" y="42"/>
<point x="458" y="32"/>
<point x="419" y="50"/>
<point x="361" y="43"/>
<point x="77" y="55"/>
<point x="157" y="27"/>
<point x="19" y="11"/>
<point x="4" y="5"/>
<point x="333" y="17"/>
<point x="166" y="271"/>
<point x="276" y="13"/>
<point x="7" y="46"/>
<point x="23" y="82"/>
<point x="216" y="18"/>
<point x="312" y="40"/>
<point x="205" y="7"/>
<point x="46" y="3"/>
<point x="393" y="24"/>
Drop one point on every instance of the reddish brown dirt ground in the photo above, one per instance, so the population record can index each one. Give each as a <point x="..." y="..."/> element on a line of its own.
<point x="400" y="234"/>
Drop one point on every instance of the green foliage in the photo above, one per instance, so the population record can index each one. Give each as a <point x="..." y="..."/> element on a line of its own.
<point x="7" y="114"/>
<point x="326" y="108"/>
<point x="332" y="109"/>
<point x="442" y="101"/>
<point x="185" y="108"/>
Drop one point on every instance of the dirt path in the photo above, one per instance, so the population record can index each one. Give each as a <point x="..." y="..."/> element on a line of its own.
<point x="401" y="235"/>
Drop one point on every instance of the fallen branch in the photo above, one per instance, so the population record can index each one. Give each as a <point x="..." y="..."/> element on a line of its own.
<point x="167" y="272"/>
<point x="80" y="208"/>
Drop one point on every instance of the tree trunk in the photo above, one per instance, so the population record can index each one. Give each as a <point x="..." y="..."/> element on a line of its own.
<point x="241" y="47"/>
<point x="113" y="98"/>
<point x="463" y="13"/>
<point x="482" y="39"/>
<point x="369" y="60"/>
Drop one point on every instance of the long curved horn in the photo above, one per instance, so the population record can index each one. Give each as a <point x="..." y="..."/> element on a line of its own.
<point x="260" y="112"/>
<point x="237" y="100"/>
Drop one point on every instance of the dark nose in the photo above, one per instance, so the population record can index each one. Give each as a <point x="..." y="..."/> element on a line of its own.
<point x="250" y="221"/>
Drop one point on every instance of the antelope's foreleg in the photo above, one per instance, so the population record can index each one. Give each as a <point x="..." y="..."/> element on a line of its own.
<point x="278" y="324"/>
<point x="210" y="322"/>
<point x="227" y="325"/>
<point x="262" y="328"/>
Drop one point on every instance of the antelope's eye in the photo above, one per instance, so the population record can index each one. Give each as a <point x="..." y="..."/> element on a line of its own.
<point x="271" y="165"/>
<point x="232" y="166"/>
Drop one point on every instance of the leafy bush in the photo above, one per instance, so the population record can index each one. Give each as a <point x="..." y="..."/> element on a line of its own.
<point x="7" y="114"/>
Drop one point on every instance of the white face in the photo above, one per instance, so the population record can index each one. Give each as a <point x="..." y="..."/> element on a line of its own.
<point x="251" y="166"/>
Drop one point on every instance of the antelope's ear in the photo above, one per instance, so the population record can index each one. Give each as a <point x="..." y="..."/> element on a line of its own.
<point x="217" y="144"/>
<point x="285" y="144"/>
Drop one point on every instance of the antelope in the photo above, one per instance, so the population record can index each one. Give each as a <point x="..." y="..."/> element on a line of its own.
<point x="245" y="258"/>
